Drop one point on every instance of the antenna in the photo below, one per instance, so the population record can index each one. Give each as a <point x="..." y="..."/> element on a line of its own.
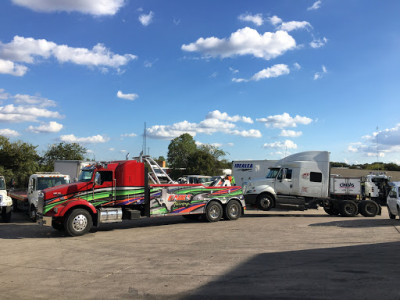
<point x="377" y="147"/>
<point x="144" y="140"/>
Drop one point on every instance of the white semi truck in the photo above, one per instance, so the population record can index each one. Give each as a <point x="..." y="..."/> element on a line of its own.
<point x="28" y="199"/>
<point x="303" y="180"/>
<point x="246" y="170"/>
<point x="5" y="201"/>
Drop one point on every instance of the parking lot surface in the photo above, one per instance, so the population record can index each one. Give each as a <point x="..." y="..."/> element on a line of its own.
<point x="274" y="255"/>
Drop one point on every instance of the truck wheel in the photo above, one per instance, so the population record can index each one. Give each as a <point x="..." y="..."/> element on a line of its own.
<point x="233" y="210"/>
<point x="333" y="211"/>
<point x="78" y="222"/>
<point x="214" y="211"/>
<point x="6" y="216"/>
<point x="392" y="216"/>
<point x="348" y="208"/>
<point x="369" y="208"/>
<point x="264" y="202"/>
<point x="32" y="213"/>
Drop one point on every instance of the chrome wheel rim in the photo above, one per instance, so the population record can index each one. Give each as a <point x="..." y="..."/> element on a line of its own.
<point x="79" y="223"/>
<point x="214" y="212"/>
<point x="234" y="210"/>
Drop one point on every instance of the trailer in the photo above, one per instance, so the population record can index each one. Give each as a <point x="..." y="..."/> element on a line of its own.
<point x="303" y="181"/>
<point x="27" y="200"/>
<point x="5" y="202"/>
<point x="72" y="168"/>
<point x="120" y="190"/>
<point x="246" y="170"/>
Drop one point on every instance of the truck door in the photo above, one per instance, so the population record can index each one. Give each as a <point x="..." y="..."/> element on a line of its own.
<point x="104" y="189"/>
<point x="283" y="182"/>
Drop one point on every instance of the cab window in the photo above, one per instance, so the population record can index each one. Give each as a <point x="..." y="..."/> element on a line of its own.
<point x="285" y="173"/>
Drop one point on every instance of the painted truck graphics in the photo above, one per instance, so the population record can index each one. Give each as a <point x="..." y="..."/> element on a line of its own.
<point x="119" y="190"/>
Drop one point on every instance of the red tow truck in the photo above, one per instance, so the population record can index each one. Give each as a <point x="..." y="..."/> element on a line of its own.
<point x="114" y="191"/>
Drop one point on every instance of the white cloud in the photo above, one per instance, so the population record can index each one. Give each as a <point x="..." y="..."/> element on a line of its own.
<point x="14" y="114"/>
<point x="27" y="50"/>
<point x="318" y="43"/>
<point x="275" y="20"/>
<point x="216" y="114"/>
<point x="256" y="19"/>
<point x="4" y="95"/>
<point x="128" y="135"/>
<point x="146" y="20"/>
<point x="274" y="71"/>
<point x="247" y="133"/>
<point x="288" y="144"/>
<point x="71" y="138"/>
<point x="46" y="128"/>
<point x="9" y="132"/>
<point x="111" y="149"/>
<point x="97" y="8"/>
<point x="294" y="25"/>
<point x="290" y="133"/>
<point x="11" y="68"/>
<point x="245" y="41"/>
<point x="284" y="120"/>
<point x="130" y="97"/>
<point x="215" y="121"/>
<point x="316" y="5"/>
<point x="234" y="71"/>
<point x="319" y="75"/>
<point x="33" y="101"/>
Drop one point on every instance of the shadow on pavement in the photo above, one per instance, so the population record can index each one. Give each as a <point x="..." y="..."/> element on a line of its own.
<point x="362" y="222"/>
<point x="19" y="228"/>
<point x="354" y="272"/>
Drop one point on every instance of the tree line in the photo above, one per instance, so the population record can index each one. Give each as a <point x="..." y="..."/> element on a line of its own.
<point x="19" y="160"/>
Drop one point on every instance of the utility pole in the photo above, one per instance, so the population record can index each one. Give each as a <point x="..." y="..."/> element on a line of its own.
<point x="144" y="147"/>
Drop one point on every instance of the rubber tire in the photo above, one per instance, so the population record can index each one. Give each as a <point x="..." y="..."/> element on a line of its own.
<point x="214" y="211"/>
<point x="264" y="202"/>
<point x="391" y="216"/>
<point x="69" y="222"/>
<point x="369" y="208"/>
<point x="58" y="225"/>
<point x="233" y="210"/>
<point x="348" y="208"/>
<point x="332" y="211"/>
<point x="32" y="213"/>
<point x="6" y="217"/>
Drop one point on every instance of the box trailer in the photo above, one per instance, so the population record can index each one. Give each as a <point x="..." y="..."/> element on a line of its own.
<point x="246" y="170"/>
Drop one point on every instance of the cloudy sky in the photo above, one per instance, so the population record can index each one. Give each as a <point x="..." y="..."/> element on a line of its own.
<point x="259" y="79"/>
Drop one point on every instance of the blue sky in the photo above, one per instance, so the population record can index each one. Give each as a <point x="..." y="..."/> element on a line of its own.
<point x="259" y="79"/>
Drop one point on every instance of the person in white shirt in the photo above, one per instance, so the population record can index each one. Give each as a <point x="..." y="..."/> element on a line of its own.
<point x="226" y="182"/>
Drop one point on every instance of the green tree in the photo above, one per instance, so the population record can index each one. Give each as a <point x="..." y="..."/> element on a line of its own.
<point x="184" y="157"/>
<point x="179" y="151"/>
<point x="18" y="160"/>
<point x="62" y="151"/>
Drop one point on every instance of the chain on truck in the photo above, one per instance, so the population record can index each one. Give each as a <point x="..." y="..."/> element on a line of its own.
<point x="303" y="181"/>
<point x="114" y="191"/>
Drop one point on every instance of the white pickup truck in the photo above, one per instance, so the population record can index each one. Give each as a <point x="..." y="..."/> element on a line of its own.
<point x="5" y="201"/>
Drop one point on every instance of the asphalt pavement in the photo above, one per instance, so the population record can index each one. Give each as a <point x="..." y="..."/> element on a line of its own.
<point x="263" y="255"/>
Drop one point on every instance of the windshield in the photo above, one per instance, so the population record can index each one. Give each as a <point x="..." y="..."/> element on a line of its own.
<point x="2" y="184"/>
<point x="86" y="175"/>
<point x="272" y="173"/>
<point x="44" y="183"/>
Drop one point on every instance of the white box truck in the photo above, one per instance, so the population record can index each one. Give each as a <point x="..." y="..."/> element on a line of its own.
<point x="245" y="170"/>
<point x="71" y="167"/>
<point x="5" y="201"/>
<point x="303" y="180"/>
